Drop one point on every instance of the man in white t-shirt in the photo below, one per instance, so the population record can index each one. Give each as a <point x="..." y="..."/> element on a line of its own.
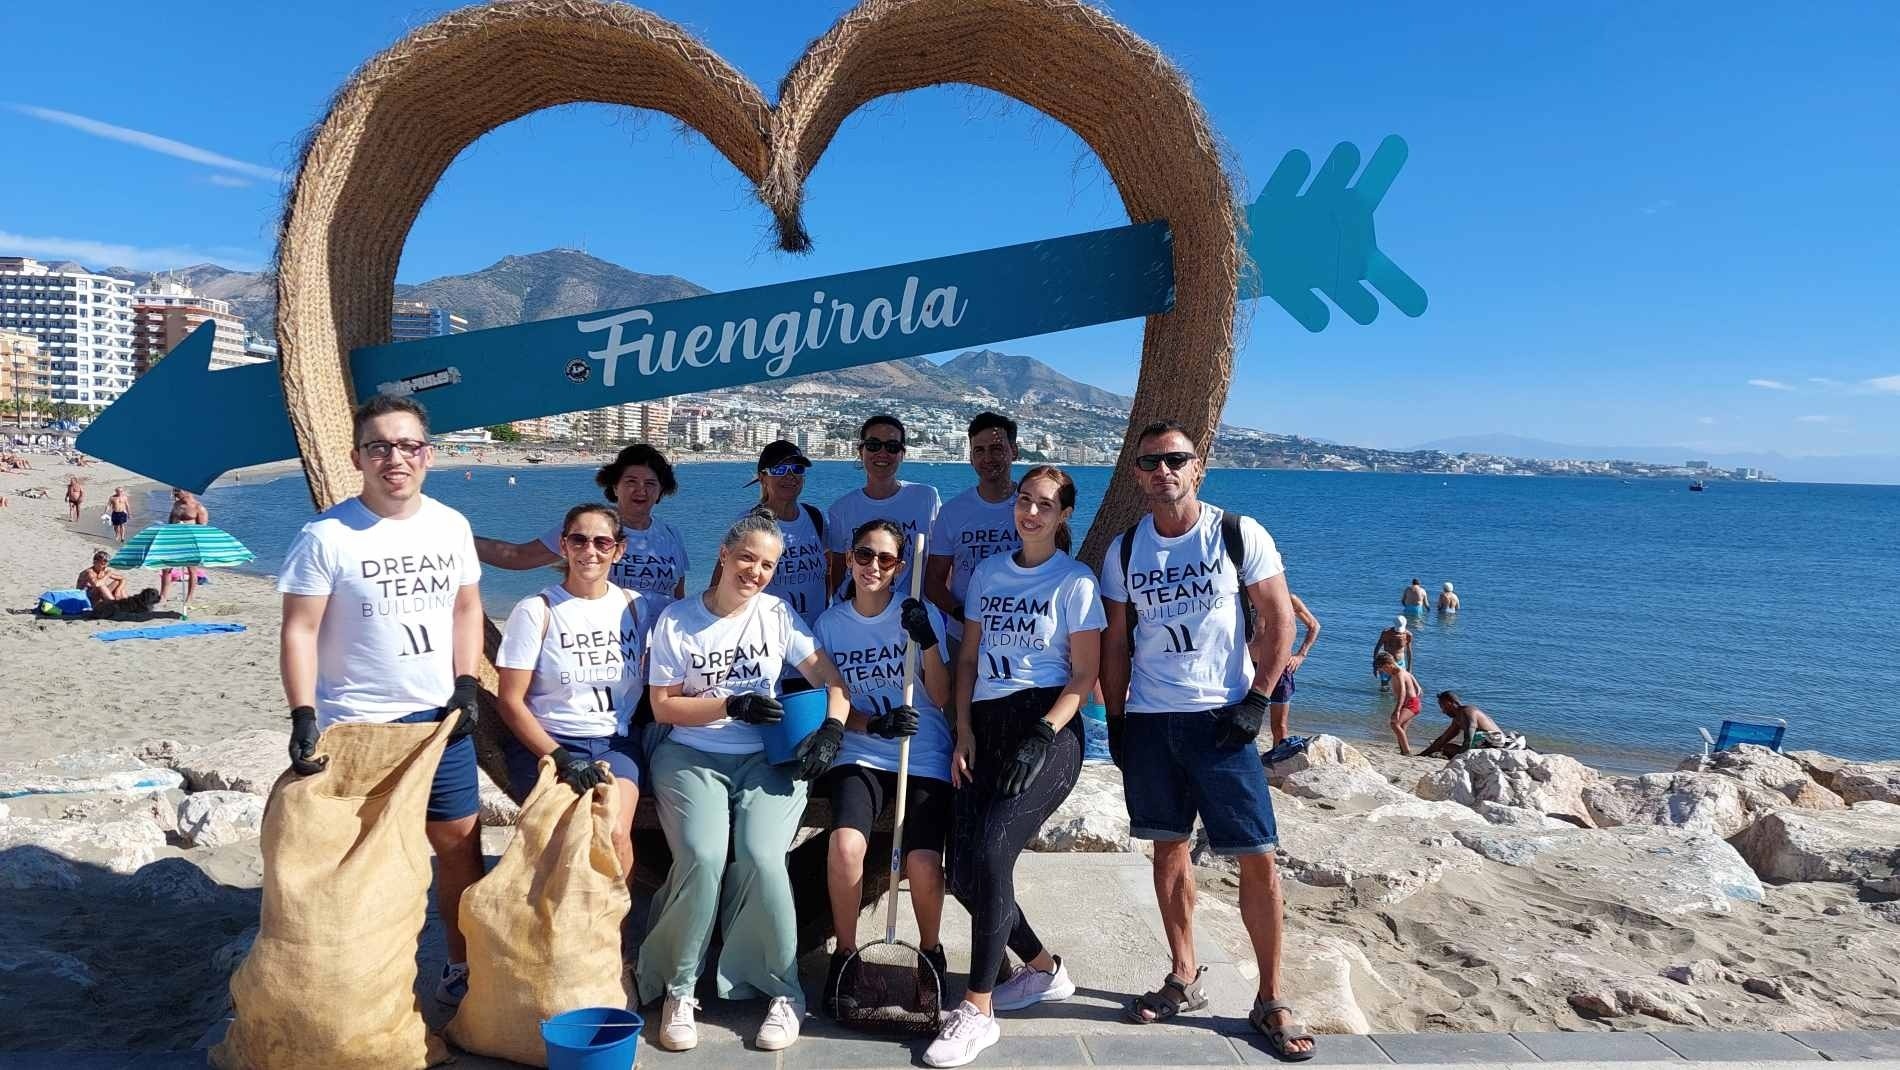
<point x="1186" y="681"/>
<point x="975" y="524"/>
<point x="911" y="506"/>
<point x="383" y="625"/>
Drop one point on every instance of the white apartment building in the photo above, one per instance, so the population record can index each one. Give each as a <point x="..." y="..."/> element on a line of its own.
<point x="166" y="312"/>
<point x="83" y="323"/>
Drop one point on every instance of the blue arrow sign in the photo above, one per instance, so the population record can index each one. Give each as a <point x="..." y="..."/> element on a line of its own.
<point x="1320" y="240"/>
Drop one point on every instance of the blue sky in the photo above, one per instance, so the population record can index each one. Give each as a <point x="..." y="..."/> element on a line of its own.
<point x="1638" y="223"/>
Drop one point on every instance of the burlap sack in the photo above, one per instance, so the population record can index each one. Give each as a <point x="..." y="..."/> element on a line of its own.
<point x="330" y="981"/>
<point x="543" y="926"/>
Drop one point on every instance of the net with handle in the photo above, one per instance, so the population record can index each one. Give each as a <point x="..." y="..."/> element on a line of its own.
<point x="889" y="985"/>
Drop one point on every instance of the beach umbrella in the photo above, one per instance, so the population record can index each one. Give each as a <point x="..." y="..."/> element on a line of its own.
<point x="182" y="545"/>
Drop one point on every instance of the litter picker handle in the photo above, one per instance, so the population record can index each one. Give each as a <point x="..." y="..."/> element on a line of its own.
<point x="903" y="746"/>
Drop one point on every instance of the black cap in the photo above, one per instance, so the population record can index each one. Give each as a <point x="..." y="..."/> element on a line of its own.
<point x="780" y="452"/>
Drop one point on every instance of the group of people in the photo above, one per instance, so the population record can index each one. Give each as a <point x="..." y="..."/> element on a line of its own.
<point x="619" y="673"/>
<point x="1394" y="661"/>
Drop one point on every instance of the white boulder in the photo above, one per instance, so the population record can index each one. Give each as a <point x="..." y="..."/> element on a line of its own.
<point x="1765" y="769"/>
<point x="1094" y="818"/>
<point x="69" y="774"/>
<point x="1869" y="783"/>
<point x="1386" y="861"/>
<point x="1698" y="802"/>
<point x="1859" y="843"/>
<point x="1334" y="980"/>
<point x="249" y="763"/>
<point x="220" y="818"/>
<point x="1547" y="783"/>
<point x="1338" y="783"/>
<point x="121" y="846"/>
<point x="1320" y="750"/>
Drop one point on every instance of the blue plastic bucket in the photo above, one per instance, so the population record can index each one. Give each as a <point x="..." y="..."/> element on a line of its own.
<point x="804" y="712"/>
<point x="592" y="1038"/>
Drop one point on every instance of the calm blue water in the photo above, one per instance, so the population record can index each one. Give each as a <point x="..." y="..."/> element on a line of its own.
<point x="1603" y="619"/>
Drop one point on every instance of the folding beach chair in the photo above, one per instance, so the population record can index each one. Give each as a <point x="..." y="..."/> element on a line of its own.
<point x="1734" y="733"/>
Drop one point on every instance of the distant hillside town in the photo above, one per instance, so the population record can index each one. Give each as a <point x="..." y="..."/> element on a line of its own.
<point x="73" y="339"/>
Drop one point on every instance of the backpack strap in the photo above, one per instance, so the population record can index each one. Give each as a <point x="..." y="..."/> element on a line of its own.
<point x="1236" y="546"/>
<point x="817" y="520"/>
<point x="548" y="604"/>
<point x="1128" y="552"/>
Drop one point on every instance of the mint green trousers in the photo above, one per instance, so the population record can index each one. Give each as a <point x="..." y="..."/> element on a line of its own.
<point x="707" y="802"/>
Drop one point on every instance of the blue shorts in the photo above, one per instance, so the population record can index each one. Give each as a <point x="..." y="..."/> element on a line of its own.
<point x="1282" y="690"/>
<point x="621" y="754"/>
<point x="456" y="793"/>
<point x="1172" y="771"/>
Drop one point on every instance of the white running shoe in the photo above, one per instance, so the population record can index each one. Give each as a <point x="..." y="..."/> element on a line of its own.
<point x="780" y="1027"/>
<point x="1029" y="986"/>
<point x="966" y="1032"/>
<point x="453" y="986"/>
<point x="677" y="1030"/>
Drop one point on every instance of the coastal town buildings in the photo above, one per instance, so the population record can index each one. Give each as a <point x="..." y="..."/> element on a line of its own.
<point x="410" y="320"/>
<point x="82" y="322"/>
<point x="25" y="378"/>
<point x="166" y="312"/>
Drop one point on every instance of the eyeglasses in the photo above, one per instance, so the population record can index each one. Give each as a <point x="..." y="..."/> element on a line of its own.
<point x="378" y="450"/>
<point x="603" y="543"/>
<point x="1148" y="462"/>
<point x="864" y="555"/>
<point x="872" y="445"/>
<point x="785" y="470"/>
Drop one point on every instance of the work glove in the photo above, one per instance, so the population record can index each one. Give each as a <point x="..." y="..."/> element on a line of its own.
<point x="1239" y="722"/>
<point x="467" y="701"/>
<point x="819" y="750"/>
<point x="575" y="771"/>
<point x="303" y="742"/>
<point x="917" y="623"/>
<point x="1022" y="768"/>
<point x="754" y="709"/>
<point x="1117" y="731"/>
<point x="894" y="723"/>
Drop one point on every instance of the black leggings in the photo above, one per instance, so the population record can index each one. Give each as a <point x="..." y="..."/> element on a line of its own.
<point x="990" y="832"/>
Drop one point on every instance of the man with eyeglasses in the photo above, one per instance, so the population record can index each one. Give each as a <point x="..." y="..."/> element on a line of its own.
<point x="383" y="624"/>
<point x="1199" y="630"/>
<point x="911" y="506"/>
<point x="975" y="524"/>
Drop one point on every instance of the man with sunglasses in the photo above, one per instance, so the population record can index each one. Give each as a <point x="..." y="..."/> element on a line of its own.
<point x="911" y="506"/>
<point x="383" y="624"/>
<point x="975" y="524"/>
<point x="1200" y="627"/>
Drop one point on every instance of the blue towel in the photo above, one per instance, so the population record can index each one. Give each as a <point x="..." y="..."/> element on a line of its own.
<point x="168" y="631"/>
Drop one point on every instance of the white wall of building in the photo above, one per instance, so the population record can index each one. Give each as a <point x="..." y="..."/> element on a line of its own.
<point x="83" y="323"/>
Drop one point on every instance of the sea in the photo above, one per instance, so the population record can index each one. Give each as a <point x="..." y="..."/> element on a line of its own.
<point x="1605" y="619"/>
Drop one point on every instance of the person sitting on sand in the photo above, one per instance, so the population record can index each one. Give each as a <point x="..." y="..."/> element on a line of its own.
<point x="1395" y="641"/>
<point x="75" y="496"/>
<point x="1413" y="598"/>
<point x="101" y="582"/>
<point x="1405" y="697"/>
<point x="1468" y="724"/>
<point x="1448" y="599"/>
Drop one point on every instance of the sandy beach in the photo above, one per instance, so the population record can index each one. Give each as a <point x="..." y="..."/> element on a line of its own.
<point x="1475" y="895"/>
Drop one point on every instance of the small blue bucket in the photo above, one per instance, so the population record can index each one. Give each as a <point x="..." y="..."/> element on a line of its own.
<point x="804" y="712"/>
<point x="592" y="1038"/>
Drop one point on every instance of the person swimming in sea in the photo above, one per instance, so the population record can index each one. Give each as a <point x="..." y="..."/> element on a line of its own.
<point x="1396" y="642"/>
<point x="1414" y="599"/>
<point x="1448" y="599"/>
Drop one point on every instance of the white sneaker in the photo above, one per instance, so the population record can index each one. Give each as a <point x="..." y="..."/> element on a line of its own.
<point x="780" y="1027"/>
<point x="966" y="1032"/>
<point x="677" y="1031"/>
<point x="1029" y="986"/>
<point x="453" y="986"/>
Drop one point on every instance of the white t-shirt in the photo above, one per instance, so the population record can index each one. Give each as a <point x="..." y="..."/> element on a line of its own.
<point x="385" y="647"/>
<point x="723" y="656"/>
<point x="969" y="529"/>
<point x="913" y="508"/>
<point x="800" y="576"/>
<point x="1190" y="645"/>
<point x="585" y="654"/>
<point x="869" y="654"/>
<point x="653" y="563"/>
<point x="1024" y="618"/>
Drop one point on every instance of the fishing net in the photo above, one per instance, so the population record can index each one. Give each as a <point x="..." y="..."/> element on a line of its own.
<point x="889" y="986"/>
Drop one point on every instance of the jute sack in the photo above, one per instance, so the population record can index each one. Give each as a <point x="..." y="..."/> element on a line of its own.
<point x="543" y="926"/>
<point x="330" y="981"/>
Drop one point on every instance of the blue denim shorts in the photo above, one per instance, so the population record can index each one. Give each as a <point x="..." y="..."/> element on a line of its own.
<point x="456" y="793"/>
<point x="524" y="766"/>
<point x="1172" y="771"/>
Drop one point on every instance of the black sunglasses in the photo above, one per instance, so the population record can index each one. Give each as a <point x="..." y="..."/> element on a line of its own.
<point x="864" y="555"/>
<point x="603" y="543"/>
<point x="872" y="445"/>
<point x="1176" y="461"/>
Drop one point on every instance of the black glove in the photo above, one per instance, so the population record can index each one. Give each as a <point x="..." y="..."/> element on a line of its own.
<point x="754" y="709"/>
<point x="894" y="723"/>
<point x="819" y="750"/>
<point x="575" y="771"/>
<point x="303" y="742"/>
<point x="467" y="701"/>
<point x="1117" y="731"/>
<point x="1027" y="761"/>
<point x="1240" y="721"/>
<point x="917" y="623"/>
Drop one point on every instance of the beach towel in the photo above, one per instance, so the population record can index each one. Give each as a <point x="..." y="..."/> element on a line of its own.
<point x="63" y="602"/>
<point x="330" y="981"/>
<point x="167" y="631"/>
<point x="543" y="927"/>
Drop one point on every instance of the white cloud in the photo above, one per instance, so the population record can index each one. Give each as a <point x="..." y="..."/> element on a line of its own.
<point x="1815" y="419"/>
<point x="153" y="142"/>
<point x="100" y="254"/>
<point x="1705" y="420"/>
<point x="1770" y="384"/>
<point x="227" y="181"/>
<point x="1822" y="380"/>
<point x="1886" y="384"/>
<point x="1654" y="207"/>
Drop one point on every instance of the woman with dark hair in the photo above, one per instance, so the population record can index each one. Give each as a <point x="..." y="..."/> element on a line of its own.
<point x="653" y="561"/>
<point x="912" y="506"/>
<point x="570" y="662"/>
<point x="1032" y="640"/>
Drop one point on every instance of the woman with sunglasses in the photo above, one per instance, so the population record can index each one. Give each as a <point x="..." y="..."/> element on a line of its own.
<point x="801" y="576"/>
<point x="912" y="506"/>
<point x="866" y="638"/>
<point x="714" y="662"/>
<point x="570" y="665"/>
<point x="1032" y="640"/>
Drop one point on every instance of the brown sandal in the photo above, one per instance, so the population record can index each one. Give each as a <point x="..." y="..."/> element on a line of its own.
<point x="1174" y="996"/>
<point x="1280" y="1040"/>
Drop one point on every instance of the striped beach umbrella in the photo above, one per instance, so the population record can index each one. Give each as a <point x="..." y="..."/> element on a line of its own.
<point x="168" y="545"/>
